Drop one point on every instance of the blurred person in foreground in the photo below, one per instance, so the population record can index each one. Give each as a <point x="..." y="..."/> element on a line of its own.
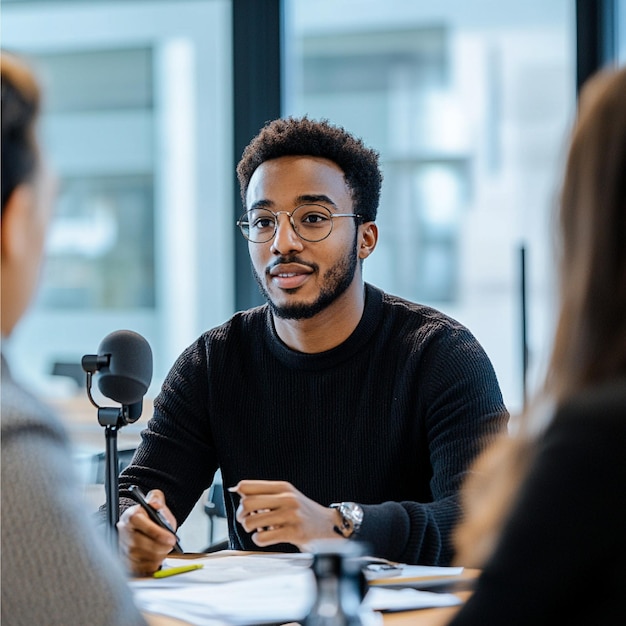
<point x="54" y="568"/>
<point x="561" y="554"/>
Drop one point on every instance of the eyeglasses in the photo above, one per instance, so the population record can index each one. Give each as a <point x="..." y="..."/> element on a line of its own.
<point x="311" y="222"/>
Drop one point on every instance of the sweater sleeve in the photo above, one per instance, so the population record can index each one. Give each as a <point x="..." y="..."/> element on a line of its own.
<point x="459" y="409"/>
<point x="176" y="453"/>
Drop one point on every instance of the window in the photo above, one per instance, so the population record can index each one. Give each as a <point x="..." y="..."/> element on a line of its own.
<point x="469" y="105"/>
<point x="137" y="123"/>
<point x="100" y="120"/>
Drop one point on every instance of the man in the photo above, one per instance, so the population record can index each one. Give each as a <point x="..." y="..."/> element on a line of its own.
<point x="334" y="393"/>
<point x="54" y="568"/>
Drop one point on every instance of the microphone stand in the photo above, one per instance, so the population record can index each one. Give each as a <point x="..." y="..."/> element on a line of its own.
<point x="112" y="418"/>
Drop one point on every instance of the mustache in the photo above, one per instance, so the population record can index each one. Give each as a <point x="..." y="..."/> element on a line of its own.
<point x="282" y="260"/>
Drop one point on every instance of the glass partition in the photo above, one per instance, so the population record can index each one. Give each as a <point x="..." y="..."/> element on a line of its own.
<point x="468" y="104"/>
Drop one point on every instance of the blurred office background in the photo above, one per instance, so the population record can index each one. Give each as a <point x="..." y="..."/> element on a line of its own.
<point x="150" y="102"/>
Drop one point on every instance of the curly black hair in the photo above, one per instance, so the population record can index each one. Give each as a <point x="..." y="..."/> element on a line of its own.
<point x="303" y="136"/>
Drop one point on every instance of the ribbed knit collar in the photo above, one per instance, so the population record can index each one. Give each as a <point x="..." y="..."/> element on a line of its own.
<point x="370" y="320"/>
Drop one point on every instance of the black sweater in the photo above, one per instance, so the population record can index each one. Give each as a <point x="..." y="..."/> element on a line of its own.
<point x="562" y="555"/>
<point x="391" y="418"/>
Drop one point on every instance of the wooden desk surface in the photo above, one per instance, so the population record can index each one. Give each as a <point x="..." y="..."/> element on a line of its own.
<point x="162" y="620"/>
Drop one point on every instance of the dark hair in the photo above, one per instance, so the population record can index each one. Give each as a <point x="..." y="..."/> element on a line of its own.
<point x="20" y="108"/>
<point x="590" y="343"/>
<point x="303" y="136"/>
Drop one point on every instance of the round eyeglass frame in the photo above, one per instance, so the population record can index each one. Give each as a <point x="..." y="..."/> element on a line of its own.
<point x="244" y="220"/>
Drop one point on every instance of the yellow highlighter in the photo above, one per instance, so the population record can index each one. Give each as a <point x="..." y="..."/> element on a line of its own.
<point x="172" y="571"/>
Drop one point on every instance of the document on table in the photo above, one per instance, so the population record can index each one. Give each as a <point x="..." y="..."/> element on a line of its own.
<point x="238" y="589"/>
<point x="229" y="566"/>
<point x="405" y="574"/>
<point x="390" y="600"/>
<point x="268" y="599"/>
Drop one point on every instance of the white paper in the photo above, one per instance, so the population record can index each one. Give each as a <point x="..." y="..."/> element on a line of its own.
<point x="375" y="572"/>
<point x="229" y="566"/>
<point x="379" y="599"/>
<point x="281" y="598"/>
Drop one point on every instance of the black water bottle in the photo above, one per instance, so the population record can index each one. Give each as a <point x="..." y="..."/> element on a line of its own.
<point x="339" y="584"/>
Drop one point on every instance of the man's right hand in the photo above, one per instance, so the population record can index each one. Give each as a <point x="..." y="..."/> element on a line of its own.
<point x="143" y="543"/>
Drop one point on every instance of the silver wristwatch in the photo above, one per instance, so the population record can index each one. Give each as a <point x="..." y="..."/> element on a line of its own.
<point x="351" y="518"/>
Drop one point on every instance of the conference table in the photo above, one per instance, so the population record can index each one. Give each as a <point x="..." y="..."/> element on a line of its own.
<point x="420" y="617"/>
<point x="423" y="617"/>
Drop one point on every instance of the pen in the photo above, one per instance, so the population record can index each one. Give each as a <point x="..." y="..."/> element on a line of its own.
<point x="154" y="514"/>
<point x="171" y="571"/>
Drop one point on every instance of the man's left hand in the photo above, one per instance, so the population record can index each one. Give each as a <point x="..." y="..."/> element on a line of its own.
<point x="276" y="512"/>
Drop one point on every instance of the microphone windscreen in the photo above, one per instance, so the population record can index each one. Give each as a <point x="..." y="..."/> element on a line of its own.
<point x="127" y="377"/>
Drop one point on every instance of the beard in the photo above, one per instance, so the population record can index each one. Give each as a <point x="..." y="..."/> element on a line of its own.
<point x="336" y="281"/>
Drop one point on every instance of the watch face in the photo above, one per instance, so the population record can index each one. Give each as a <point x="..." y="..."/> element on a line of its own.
<point x="351" y="515"/>
<point x="354" y="512"/>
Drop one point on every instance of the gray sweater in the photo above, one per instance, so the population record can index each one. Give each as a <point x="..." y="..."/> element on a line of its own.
<point x="55" y="569"/>
<point x="391" y="418"/>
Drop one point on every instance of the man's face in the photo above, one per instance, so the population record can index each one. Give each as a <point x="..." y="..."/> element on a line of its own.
<point x="300" y="278"/>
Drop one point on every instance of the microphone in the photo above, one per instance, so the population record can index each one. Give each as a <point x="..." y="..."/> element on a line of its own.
<point x="124" y="361"/>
